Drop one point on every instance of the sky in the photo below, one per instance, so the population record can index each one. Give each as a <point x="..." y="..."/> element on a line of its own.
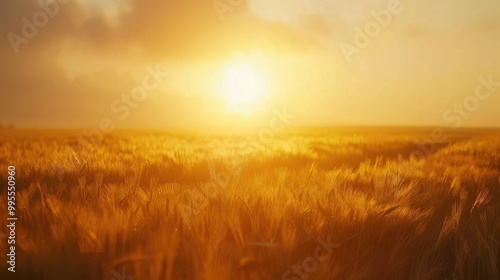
<point x="235" y="63"/>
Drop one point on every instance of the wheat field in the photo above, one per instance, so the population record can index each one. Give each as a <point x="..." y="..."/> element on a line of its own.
<point x="306" y="204"/>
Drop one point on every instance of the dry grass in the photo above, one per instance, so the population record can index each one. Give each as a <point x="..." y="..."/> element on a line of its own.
<point x="178" y="206"/>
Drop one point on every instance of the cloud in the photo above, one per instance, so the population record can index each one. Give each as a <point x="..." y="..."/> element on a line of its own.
<point x="184" y="30"/>
<point x="35" y="83"/>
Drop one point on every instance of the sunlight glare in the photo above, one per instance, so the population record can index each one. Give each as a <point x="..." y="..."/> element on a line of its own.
<point x="245" y="89"/>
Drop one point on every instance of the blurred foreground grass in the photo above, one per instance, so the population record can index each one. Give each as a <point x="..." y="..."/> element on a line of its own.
<point x="194" y="206"/>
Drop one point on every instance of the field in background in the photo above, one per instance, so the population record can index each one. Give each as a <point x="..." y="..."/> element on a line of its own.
<point x="157" y="205"/>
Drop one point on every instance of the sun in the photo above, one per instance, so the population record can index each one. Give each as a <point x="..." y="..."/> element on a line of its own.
<point x="245" y="89"/>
